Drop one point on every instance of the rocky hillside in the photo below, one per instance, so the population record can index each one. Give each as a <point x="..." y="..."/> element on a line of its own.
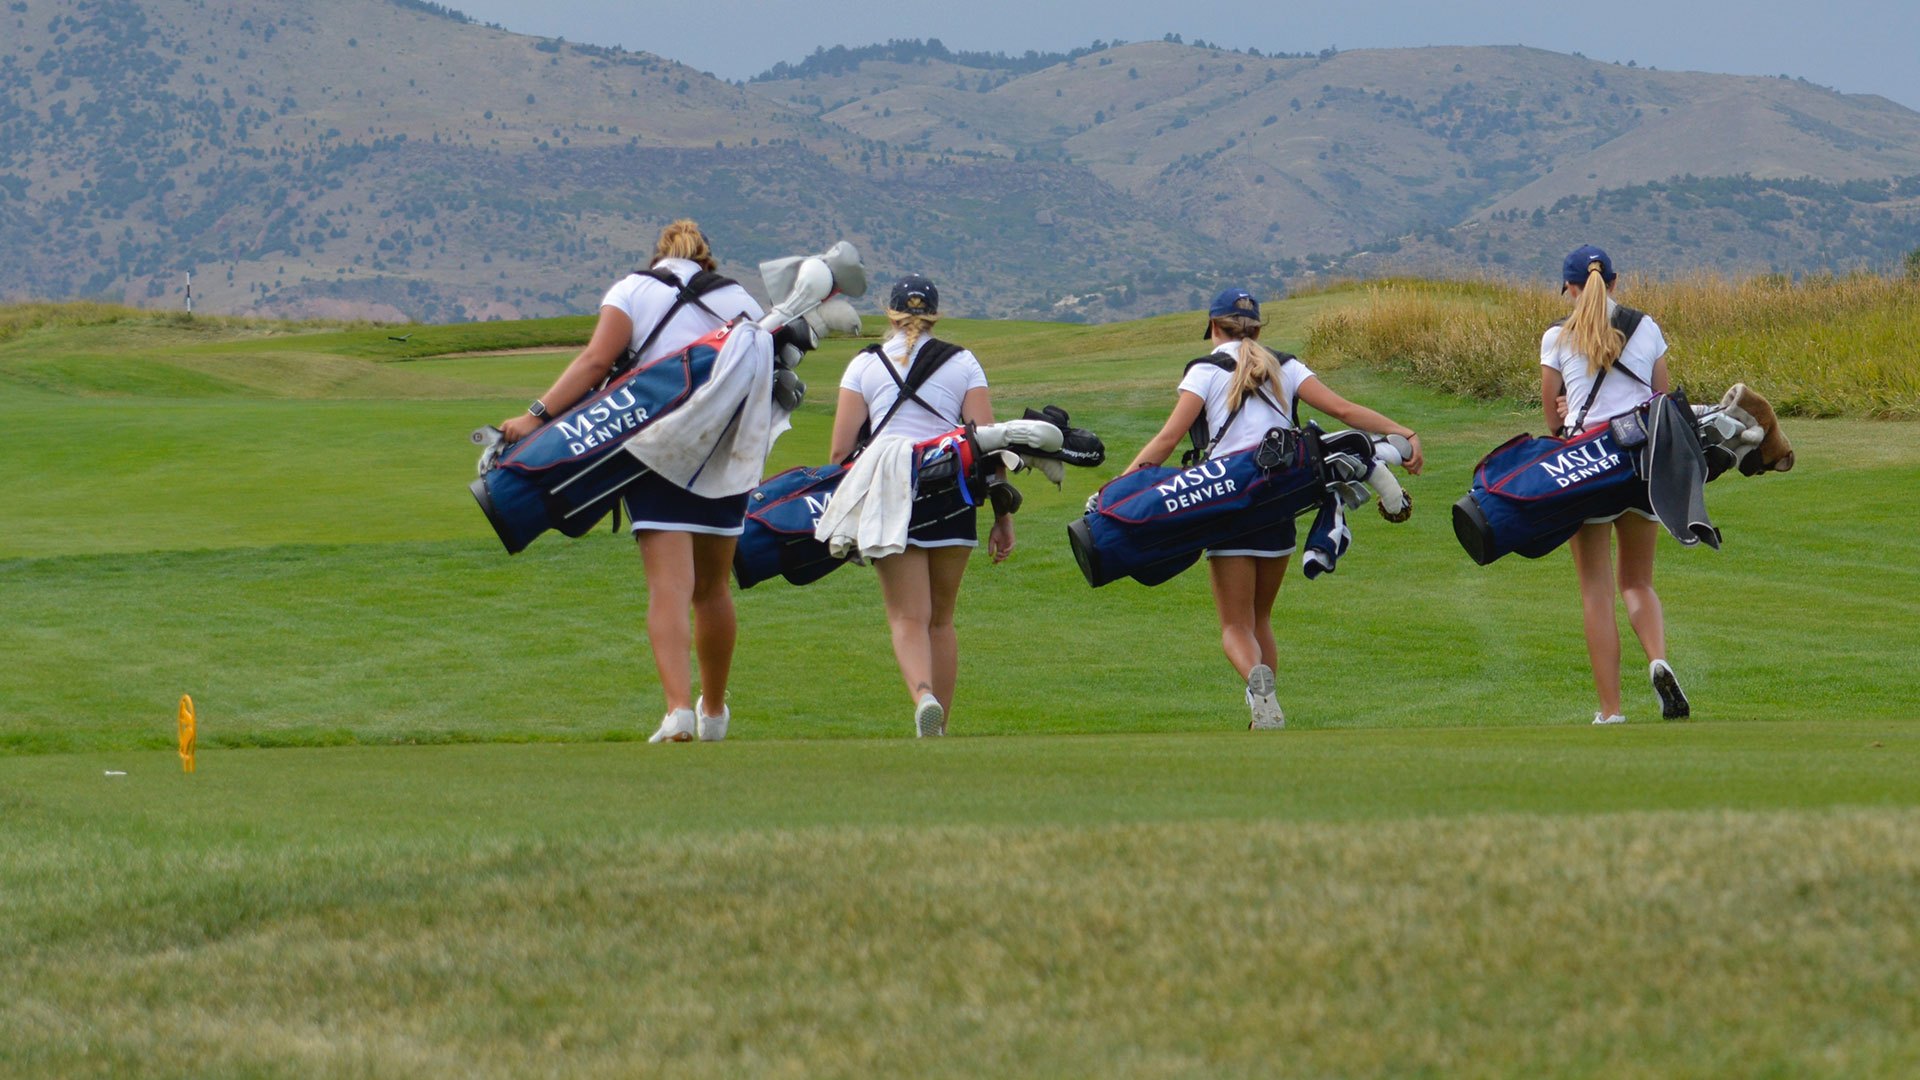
<point x="390" y="158"/>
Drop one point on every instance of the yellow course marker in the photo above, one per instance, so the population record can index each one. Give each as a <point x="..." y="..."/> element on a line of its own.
<point x="186" y="733"/>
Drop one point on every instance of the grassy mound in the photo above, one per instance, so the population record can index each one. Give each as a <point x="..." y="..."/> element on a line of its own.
<point x="1826" y="346"/>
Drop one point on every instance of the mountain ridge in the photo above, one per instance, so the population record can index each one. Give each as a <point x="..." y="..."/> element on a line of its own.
<point x="384" y="158"/>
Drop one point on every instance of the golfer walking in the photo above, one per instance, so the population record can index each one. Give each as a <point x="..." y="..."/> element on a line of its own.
<point x="1591" y="365"/>
<point x="686" y="541"/>
<point x="1243" y="392"/>
<point x="921" y="585"/>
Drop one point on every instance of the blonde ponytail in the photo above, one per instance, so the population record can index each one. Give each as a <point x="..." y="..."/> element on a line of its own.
<point x="1256" y="367"/>
<point x="915" y="326"/>
<point x="683" y="240"/>
<point x="1588" y="331"/>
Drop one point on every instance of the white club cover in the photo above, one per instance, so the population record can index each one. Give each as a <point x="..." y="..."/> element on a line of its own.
<point x="799" y="283"/>
<point x="1393" y="497"/>
<point x="1038" y="435"/>
<point x="838" y="315"/>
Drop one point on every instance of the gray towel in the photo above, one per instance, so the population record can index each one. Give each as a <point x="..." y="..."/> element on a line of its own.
<point x="1676" y="472"/>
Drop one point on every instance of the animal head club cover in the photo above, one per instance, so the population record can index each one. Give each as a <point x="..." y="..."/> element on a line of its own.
<point x="187" y="733"/>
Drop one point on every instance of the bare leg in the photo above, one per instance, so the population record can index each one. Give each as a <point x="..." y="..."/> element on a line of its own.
<point x="1638" y="538"/>
<point x="1234" y="578"/>
<point x="944" y="569"/>
<point x="714" y="625"/>
<point x="1268" y="574"/>
<point x="667" y="558"/>
<point x="908" y="596"/>
<point x="1593" y="560"/>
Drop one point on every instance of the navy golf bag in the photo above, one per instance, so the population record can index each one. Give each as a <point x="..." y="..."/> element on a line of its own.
<point x="1152" y="524"/>
<point x="781" y="515"/>
<point x="570" y="473"/>
<point x="778" y="540"/>
<point x="1530" y="495"/>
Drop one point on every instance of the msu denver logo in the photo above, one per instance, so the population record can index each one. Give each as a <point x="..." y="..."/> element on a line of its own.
<point x="1571" y="466"/>
<point x="1204" y="482"/>
<point x="599" y="423"/>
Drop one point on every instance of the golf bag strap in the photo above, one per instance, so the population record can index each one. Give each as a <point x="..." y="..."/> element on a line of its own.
<point x="697" y="286"/>
<point x="1626" y="320"/>
<point x="1204" y="440"/>
<point x="927" y="361"/>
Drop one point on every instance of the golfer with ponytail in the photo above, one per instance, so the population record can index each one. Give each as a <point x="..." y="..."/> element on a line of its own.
<point x="921" y="585"/>
<point x="686" y="541"/>
<point x="1600" y="362"/>
<point x="1244" y="390"/>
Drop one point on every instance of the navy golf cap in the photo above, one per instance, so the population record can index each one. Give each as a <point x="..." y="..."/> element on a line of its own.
<point x="1573" y="271"/>
<point x="914" y="295"/>
<point x="1228" y="302"/>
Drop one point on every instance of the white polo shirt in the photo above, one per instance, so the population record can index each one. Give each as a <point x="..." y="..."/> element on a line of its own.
<point x="1622" y="392"/>
<point x="645" y="300"/>
<point x="945" y="391"/>
<point x="1210" y="384"/>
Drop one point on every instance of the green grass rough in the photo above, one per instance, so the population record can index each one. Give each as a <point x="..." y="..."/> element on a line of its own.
<point x="1438" y="870"/>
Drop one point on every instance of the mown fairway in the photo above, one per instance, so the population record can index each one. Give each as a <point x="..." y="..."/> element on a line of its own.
<point x="1438" y="870"/>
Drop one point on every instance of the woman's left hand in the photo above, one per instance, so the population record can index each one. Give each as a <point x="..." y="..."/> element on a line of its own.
<point x="1000" y="538"/>
<point x="519" y="427"/>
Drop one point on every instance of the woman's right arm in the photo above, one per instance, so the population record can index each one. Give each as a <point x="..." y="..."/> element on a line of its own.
<point x="1553" y="403"/>
<point x="848" y="414"/>
<point x="612" y="335"/>
<point x="1185" y="411"/>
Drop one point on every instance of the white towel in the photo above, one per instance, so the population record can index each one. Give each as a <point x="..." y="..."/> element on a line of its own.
<point x="716" y="443"/>
<point x="870" y="510"/>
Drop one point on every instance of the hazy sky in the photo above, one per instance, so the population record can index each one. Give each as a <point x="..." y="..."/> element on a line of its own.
<point x="1859" y="46"/>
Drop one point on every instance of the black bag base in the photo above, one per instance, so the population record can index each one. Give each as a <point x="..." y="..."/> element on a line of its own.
<point x="1080" y="538"/>
<point x="1470" y="527"/>
<point x="514" y="535"/>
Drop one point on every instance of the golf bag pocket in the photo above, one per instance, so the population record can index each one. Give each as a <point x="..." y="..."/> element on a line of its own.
<point x="1152" y="524"/>
<point x="1531" y="495"/>
<point x="778" y="539"/>
<point x="1629" y="430"/>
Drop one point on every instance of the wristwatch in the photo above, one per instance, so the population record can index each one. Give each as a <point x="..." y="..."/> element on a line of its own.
<point x="537" y="410"/>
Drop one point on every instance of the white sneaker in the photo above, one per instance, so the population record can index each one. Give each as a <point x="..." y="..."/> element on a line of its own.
<point x="1262" y="702"/>
<point x="677" y="726"/>
<point x="1673" y="703"/>
<point x="1602" y="719"/>
<point x="929" y="718"/>
<point x="712" y="728"/>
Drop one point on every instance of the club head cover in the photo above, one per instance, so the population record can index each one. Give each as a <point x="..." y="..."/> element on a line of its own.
<point x="1393" y="449"/>
<point x="838" y="315"/>
<point x="1078" y="446"/>
<point x="842" y="261"/>
<point x="1395" y="504"/>
<point x="1051" y="469"/>
<point x="1026" y="436"/>
<point x="1776" y="453"/>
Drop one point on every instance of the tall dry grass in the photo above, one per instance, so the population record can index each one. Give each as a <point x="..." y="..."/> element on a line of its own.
<point x="1826" y="346"/>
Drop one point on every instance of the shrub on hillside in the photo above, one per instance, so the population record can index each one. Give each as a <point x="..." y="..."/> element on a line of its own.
<point x="1823" y="346"/>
